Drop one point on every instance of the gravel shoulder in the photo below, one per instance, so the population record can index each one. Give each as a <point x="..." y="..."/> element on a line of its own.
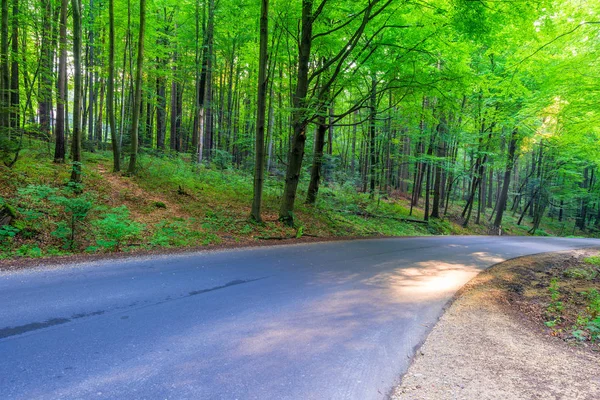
<point x="486" y="348"/>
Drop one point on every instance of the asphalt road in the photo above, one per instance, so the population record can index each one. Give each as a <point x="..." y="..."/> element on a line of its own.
<point x="336" y="320"/>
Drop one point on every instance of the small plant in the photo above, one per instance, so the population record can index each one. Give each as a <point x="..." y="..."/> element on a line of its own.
<point x="581" y="273"/>
<point x="593" y="307"/>
<point x="76" y="210"/>
<point x="29" y="251"/>
<point x="587" y="326"/>
<point x="593" y="260"/>
<point x="594" y="329"/>
<point x="115" y="229"/>
<point x="7" y="234"/>
<point x="555" y="308"/>
<point x="159" y="204"/>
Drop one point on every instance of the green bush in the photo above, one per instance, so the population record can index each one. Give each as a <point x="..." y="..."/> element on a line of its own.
<point x="555" y="308"/>
<point x="75" y="210"/>
<point x="581" y="273"/>
<point x="7" y="234"/>
<point x="28" y="250"/>
<point x="594" y="260"/>
<point x="115" y="229"/>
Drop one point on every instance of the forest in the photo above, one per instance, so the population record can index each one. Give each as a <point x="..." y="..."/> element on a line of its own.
<point x="164" y="123"/>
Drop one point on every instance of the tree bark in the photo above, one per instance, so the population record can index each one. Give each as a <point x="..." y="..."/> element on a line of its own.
<point x="110" y="96"/>
<point x="259" y="162"/>
<point x="502" y="200"/>
<point x="59" y="149"/>
<point x="76" y="140"/>
<point x="299" y="122"/>
<point x="137" y="100"/>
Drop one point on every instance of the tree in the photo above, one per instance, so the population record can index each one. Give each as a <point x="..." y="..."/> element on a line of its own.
<point x="259" y="163"/>
<point x="77" y="92"/>
<point x="110" y="95"/>
<point x="137" y="100"/>
<point x="59" y="149"/>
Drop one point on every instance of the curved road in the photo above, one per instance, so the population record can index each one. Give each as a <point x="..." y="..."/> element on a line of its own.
<point x="336" y="320"/>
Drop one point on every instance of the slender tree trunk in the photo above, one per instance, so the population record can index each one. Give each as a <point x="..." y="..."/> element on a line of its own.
<point x="46" y="61"/>
<point x="4" y="72"/>
<point x="207" y="104"/>
<point x="59" y="149"/>
<point x="110" y="96"/>
<point x="299" y="122"/>
<point x="76" y="140"/>
<point x="372" y="135"/>
<point x="263" y="82"/>
<point x="437" y="184"/>
<point x="353" y="148"/>
<point x="14" y="73"/>
<point x="315" y="172"/>
<point x="138" y="91"/>
<point x="502" y="200"/>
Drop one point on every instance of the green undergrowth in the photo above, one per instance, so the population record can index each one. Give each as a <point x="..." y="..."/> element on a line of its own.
<point x="172" y="202"/>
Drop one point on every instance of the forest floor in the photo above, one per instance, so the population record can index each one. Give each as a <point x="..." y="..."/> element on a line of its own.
<point x="173" y="204"/>
<point x="528" y="328"/>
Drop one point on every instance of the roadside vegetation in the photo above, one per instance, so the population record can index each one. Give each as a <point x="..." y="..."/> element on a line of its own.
<point x="171" y="203"/>
<point x="559" y="293"/>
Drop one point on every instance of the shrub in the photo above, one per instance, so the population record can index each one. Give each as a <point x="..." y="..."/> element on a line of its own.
<point x="555" y="308"/>
<point x="116" y="229"/>
<point x="76" y="210"/>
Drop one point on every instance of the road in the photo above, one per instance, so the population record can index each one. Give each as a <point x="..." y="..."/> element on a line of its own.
<point x="335" y="320"/>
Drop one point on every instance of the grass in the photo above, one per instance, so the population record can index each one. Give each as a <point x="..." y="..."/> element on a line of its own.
<point x="171" y="202"/>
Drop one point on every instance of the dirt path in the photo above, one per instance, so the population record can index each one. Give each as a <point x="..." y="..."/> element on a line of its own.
<point x="482" y="349"/>
<point x="141" y="203"/>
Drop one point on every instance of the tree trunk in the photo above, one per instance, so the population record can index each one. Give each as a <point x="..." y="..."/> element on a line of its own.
<point x="76" y="141"/>
<point x="437" y="185"/>
<point x="259" y="162"/>
<point x="315" y="171"/>
<point x="372" y="135"/>
<point x="46" y="61"/>
<point x="59" y="149"/>
<point x="137" y="100"/>
<point x="4" y="73"/>
<point x="299" y="122"/>
<point x="110" y="96"/>
<point x="501" y="203"/>
<point x="14" y="73"/>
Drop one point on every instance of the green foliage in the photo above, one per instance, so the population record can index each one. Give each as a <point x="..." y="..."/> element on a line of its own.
<point x="75" y="210"/>
<point x="593" y="303"/>
<point x="587" y="274"/>
<point x="555" y="308"/>
<point x="159" y="204"/>
<point x="180" y="233"/>
<point x="28" y="250"/>
<point x="593" y="260"/>
<point x="587" y="326"/>
<point x="221" y="159"/>
<point x="439" y="227"/>
<point x="115" y="229"/>
<point x="7" y="234"/>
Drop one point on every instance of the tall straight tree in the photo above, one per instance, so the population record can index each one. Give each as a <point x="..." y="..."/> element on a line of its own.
<point x="4" y="71"/>
<point x="259" y="163"/>
<point x="110" y="96"/>
<point x="501" y="205"/>
<point x="46" y="60"/>
<point x="14" y="68"/>
<point x="76" y="140"/>
<point x="59" y="149"/>
<point x="299" y="120"/>
<point x="137" y="99"/>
